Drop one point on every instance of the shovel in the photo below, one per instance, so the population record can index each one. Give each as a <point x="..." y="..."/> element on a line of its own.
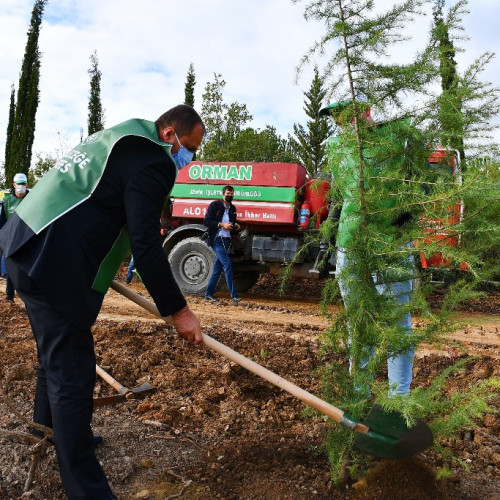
<point x="382" y="434"/>
<point x="124" y="392"/>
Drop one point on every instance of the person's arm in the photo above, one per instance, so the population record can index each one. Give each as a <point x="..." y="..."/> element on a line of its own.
<point x="144" y="195"/>
<point x="3" y="216"/>
<point x="211" y="220"/>
<point x="233" y="219"/>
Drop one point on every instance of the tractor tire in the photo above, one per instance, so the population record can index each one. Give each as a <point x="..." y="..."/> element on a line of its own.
<point x="192" y="263"/>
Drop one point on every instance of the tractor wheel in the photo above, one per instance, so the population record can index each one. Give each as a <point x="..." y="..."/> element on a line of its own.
<point x="192" y="262"/>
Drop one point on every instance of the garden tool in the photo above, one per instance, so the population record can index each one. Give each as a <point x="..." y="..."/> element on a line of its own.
<point x="124" y="392"/>
<point x="382" y="434"/>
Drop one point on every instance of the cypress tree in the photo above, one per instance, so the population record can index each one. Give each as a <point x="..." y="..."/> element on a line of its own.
<point x="310" y="143"/>
<point x="189" y="91"/>
<point x="23" y="129"/>
<point x="189" y="87"/>
<point x="10" y="131"/>
<point x="450" y="106"/>
<point x="96" y="112"/>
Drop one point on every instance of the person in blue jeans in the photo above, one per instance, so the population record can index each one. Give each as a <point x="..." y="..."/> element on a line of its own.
<point x="399" y="368"/>
<point x="394" y="279"/>
<point x="221" y="220"/>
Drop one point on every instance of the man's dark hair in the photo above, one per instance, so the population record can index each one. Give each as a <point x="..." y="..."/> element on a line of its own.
<point x="227" y="188"/>
<point x="182" y="117"/>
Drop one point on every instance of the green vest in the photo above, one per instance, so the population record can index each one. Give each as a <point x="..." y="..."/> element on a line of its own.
<point x="10" y="203"/>
<point x="73" y="179"/>
<point x="389" y="137"/>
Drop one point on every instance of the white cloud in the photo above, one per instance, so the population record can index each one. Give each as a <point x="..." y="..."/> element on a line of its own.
<point x="144" y="50"/>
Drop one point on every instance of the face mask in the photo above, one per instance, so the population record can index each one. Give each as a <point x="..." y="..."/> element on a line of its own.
<point x="183" y="156"/>
<point x="228" y="198"/>
<point x="20" y="189"/>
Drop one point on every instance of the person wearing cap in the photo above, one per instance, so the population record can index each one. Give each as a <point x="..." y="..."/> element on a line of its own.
<point x="63" y="247"/>
<point x="10" y="202"/>
<point x="344" y="162"/>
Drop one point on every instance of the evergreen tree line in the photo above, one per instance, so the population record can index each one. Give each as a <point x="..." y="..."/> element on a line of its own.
<point x="229" y="138"/>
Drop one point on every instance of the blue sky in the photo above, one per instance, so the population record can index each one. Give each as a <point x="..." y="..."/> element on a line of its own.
<point x="145" y="48"/>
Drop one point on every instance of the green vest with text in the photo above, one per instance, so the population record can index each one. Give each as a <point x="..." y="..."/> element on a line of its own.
<point x="73" y="179"/>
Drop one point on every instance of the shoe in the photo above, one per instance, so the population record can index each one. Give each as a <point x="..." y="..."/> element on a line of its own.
<point x="10" y="299"/>
<point x="236" y="300"/>
<point x="97" y="440"/>
<point x="211" y="298"/>
<point x="128" y="280"/>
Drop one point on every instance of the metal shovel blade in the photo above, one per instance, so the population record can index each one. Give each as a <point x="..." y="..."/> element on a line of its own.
<point x="142" y="390"/>
<point x="390" y="437"/>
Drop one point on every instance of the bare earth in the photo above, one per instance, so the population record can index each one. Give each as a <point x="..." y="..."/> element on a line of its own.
<point x="212" y="430"/>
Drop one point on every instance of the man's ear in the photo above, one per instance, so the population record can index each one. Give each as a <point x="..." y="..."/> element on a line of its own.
<point x="167" y="134"/>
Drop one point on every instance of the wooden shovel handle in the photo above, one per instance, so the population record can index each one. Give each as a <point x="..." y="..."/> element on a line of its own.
<point x="331" y="411"/>
<point x="110" y="380"/>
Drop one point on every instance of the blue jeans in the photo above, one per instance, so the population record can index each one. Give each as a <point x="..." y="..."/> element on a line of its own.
<point x="399" y="367"/>
<point x="222" y="263"/>
<point x="130" y="270"/>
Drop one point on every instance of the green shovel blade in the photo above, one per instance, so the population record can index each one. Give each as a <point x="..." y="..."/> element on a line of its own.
<point x="390" y="437"/>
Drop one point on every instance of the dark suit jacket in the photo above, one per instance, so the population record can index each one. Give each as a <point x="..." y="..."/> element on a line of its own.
<point x="215" y="212"/>
<point x="64" y="258"/>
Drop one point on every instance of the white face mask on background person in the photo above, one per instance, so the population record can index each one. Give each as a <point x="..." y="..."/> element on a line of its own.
<point x="20" y="189"/>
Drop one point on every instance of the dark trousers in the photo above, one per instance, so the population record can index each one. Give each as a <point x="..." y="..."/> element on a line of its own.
<point x="9" y="289"/>
<point x="64" y="390"/>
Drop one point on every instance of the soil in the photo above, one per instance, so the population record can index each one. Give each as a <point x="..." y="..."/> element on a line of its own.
<point x="212" y="430"/>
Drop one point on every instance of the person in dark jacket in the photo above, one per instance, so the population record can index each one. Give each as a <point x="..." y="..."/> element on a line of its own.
<point x="221" y="220"/>
<point x="101" y="201"/>
<point x="10" y="202"/>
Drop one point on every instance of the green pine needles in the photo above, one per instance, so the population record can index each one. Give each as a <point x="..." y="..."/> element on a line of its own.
<point x="411" y="210"/>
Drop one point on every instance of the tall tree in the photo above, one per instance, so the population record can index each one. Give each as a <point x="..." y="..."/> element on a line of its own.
<point x="450" y="106"/>
<point x="23" y="130"/>
<point x="96" y="112"/>
<point x="252" y="145"/>
<point x="189" y="87"/>
<point x="223" y="121"/>
<point x="10" y="129"/>
<point x="310" y="143"/>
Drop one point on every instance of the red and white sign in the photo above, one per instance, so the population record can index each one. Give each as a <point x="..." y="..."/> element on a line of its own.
<point x="277" y="213"/>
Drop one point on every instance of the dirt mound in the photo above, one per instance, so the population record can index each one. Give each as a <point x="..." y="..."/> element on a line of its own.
<point x="211" y="429"/>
